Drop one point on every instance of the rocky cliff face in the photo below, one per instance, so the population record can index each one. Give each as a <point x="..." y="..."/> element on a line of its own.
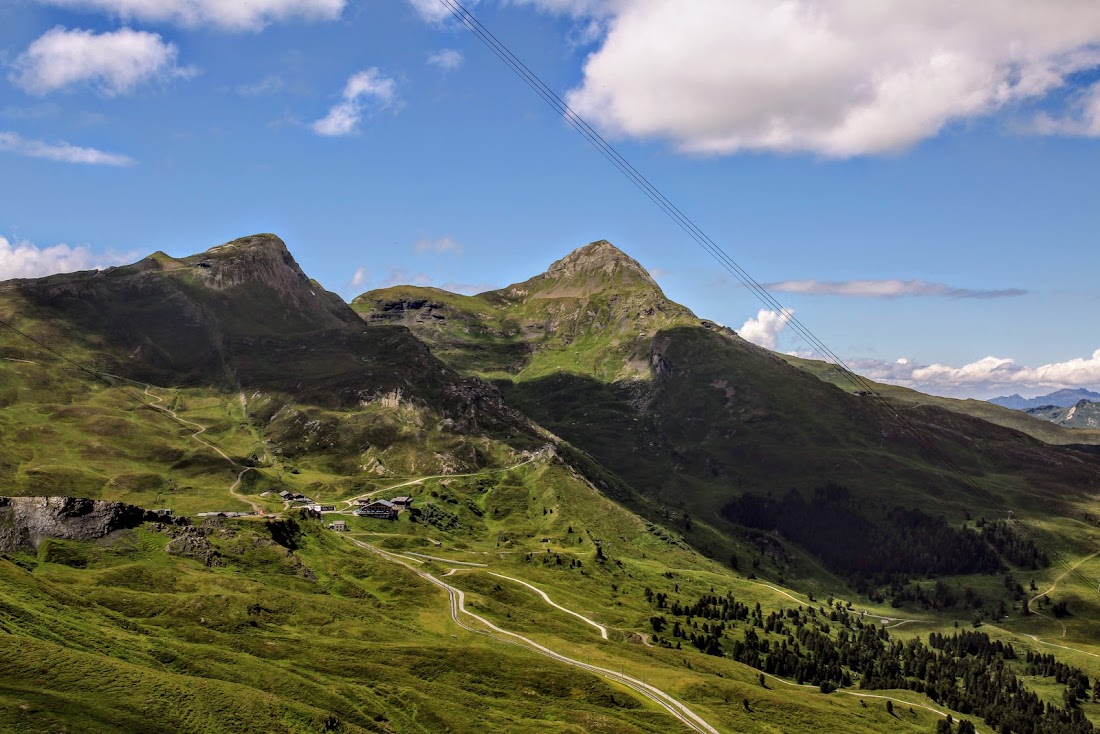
<point x="27" y="521"/>
<point x="263" y="260"/>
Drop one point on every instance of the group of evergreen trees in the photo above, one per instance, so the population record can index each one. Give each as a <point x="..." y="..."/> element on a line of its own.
<point x="1017" y="549"/>
<point x="857" y="540"/>
<point x="833" y="647"/>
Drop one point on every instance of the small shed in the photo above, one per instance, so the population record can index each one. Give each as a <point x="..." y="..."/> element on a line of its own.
<point x="339" y="526"/>
<point x="404" y="502"/>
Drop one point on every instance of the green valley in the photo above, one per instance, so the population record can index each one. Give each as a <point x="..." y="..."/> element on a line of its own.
<point x="621" y="518"/>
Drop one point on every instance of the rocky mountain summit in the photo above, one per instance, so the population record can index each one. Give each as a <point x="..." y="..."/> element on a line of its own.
<point x="594" y="268"/>
<point x="597" y="303"/>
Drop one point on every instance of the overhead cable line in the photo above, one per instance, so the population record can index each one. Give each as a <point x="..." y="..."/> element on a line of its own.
<point x="685" y="223"/>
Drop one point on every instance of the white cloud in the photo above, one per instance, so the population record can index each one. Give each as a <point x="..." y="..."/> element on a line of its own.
<point x="840" y="78"/>
<point x="115" y="62"/>
<point x="887" y="289"/>
<point x="60" y="151"/>
<point x="575" y="8"/>
<point x="985" y="377"/>
<point x="231" y="15"/>
<point x="764" y="329"/>
<point x="446" y="58"/>
<point x="658" y="273"/>
<point x="441" y="246"/>
<point x="359" y="278"/>
<point x="344" y="117"/>
<point x="434" y="11"/>
<point x="26" y="260"/>
<point x="1081" y="119"/>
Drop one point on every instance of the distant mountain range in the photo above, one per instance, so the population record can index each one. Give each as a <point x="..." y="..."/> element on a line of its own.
<point x="1061" y="398"/>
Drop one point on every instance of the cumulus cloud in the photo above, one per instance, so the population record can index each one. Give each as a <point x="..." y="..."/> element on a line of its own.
<point x="60" y="151"/>
<point x="764" y="329"/>
<point x="26" y="260"/>
<point x="446" y="58"/>
<point x="231" y="15"/>
<point x="887" y="289"/>
<point x="344" y="117"/>
<point x="114" y="62"/>
<point x="985" y="377"/>
<point x="834" y="78"/>
<point x="434" y="11"/>
<point x="441" y="246"/>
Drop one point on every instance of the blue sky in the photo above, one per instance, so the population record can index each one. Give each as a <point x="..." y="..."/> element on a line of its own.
<point x="921" y="185"/>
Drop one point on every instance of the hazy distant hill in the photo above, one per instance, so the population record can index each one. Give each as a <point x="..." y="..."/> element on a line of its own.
<point x="1061" y="398"/>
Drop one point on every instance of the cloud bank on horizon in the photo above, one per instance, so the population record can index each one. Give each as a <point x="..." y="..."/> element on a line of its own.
<point x="23" y="259"/>
<point x="891" y="288"/>
<point x="987" y="377"/>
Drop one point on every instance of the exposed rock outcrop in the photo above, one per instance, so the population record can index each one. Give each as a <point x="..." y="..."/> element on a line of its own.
<point x="27" y="521"/>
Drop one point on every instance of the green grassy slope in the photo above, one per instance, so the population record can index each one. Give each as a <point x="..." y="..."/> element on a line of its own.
<point x="273" y="627"/>
<point x="690" y="415"/>
<point x="121" y="635"/>
<point x="282" y="375"/>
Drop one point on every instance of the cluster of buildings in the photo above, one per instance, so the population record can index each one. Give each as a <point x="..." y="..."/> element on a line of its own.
<point x="293" y="497"/>
<point x="383" y="509"/>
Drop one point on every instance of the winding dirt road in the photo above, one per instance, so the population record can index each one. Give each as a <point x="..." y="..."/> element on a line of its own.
<point x="545" y="598"/>
<point x="458" y="605"/>
<point x="197" y="436"/>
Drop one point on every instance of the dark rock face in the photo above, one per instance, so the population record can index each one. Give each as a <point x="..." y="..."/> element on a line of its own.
<point x="27" y="521"/>
<point x="193" y="543"/>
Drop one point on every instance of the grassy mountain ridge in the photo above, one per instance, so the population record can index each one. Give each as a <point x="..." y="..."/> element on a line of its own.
<point x="593" y="313"/>
<point x="238" y="339"/>
<point x="690" y="415"/>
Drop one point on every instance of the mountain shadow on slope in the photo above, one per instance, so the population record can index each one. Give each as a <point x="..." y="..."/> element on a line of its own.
<point x="243" y="322"/>
<point x="865" y="541"/>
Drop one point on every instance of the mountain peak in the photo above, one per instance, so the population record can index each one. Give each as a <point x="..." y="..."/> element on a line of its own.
<point x="595" y="268"/>
<point x="599" y="258"/>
